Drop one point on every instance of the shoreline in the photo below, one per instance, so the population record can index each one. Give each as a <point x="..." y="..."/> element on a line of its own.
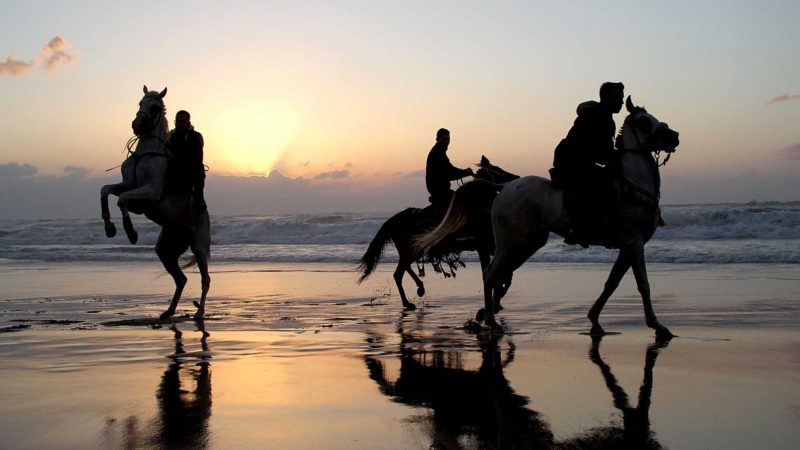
<point x="300" y="356"/>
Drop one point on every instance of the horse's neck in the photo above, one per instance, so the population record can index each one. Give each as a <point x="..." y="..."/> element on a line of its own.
<point x="640" y="169"/>
<point x="629" y="140"/>
<point x="155" y="140"/>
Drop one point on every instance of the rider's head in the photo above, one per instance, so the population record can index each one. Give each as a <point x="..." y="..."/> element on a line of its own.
<point x="443" y="136"/>
<point x="182" y="120"/>
<point x="611" y="96"/>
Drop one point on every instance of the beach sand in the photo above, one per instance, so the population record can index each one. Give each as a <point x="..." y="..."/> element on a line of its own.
<point x="299" y="356"/>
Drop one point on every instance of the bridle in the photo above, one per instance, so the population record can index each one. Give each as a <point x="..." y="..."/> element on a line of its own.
<point x="646" y="145"/>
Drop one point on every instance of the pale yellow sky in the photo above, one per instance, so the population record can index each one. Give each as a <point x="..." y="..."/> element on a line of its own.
<point x="313" y="88"/>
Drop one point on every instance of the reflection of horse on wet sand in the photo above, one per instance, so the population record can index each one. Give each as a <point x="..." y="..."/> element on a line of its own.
<point x="527" y="210"/>
<point x="142" y="191"/>
<point x="404" y="227"/>
<point x="184" y="403"/>
<point x="468" y="408"/>
<point x="634" y="431"/>
<point x="480" y="409"/>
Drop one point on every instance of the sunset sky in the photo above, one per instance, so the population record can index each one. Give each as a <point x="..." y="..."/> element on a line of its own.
<point x="343" y="98"/>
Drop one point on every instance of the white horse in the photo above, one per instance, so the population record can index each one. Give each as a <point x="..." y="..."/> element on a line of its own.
<point x="527" y="210"/>
<point x="144" y="178"/>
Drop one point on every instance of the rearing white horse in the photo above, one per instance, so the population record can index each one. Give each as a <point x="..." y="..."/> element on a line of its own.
<point x="144" y="178"/>
<point x="527" y="210"/>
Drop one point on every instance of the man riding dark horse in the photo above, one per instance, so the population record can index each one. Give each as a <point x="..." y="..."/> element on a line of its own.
<point x="585" y="165"/>
<point x="439" y="172"/>
<point x="186" y="177"/>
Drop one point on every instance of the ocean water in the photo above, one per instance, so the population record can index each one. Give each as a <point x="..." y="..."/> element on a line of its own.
<point x="763" y="232"/>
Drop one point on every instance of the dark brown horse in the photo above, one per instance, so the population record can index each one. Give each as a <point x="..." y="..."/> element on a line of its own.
<point x="404" y="227"/>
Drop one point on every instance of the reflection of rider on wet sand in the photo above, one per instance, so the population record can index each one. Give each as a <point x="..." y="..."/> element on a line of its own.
<point x="184" y="413"/>
<point x="469" y="408"/>
<point x="480" y="409"/>
<point x="635" y="431"/>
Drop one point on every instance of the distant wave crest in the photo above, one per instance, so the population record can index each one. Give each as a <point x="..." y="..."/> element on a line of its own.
<point x="724" y="233"/>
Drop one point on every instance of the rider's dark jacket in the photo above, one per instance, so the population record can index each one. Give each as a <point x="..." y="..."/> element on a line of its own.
<point x="439" y="172"/>
<point x="187" y="173"/>
<point x="589" y="142"/>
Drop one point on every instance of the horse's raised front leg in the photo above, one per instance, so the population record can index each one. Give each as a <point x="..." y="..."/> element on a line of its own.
<point x="640" y="272"/>
<point x="113" y="189"/>
<point x="621" y="265"/>
<point x="146" y="193"/>
<point x="169" y="247"/>
<point x="417" y="281"/>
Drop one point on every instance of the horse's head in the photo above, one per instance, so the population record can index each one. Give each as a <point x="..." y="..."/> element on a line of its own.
<point x="489" y="172"/>
<point x="151" y="112"/>
<point x="643" y="132"/>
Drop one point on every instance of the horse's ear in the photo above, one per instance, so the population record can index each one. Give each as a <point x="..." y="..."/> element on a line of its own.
<point x="162" y="93"/>
<point x="484" y="161"/>
<point x="145" y="89"/>
<point x="629" y="104"/>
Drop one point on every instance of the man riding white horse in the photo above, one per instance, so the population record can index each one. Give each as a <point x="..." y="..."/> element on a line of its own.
<point x="145" y="189"/>
<point x="186" y="174"/>
<point x="584" y="165"/>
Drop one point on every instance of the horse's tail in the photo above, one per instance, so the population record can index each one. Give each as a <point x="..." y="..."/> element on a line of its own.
<point x="191" y="262"/>
<point x="475" y="195"/>
<point x="369" y="261"/>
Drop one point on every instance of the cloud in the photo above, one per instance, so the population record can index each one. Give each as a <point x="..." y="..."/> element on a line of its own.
<point x="783" y="98"/>
<point x="414" y="174"/>
<point x="12" y="66"/>
<point x="54" y="54"/>
<point x="792" y="152"/>
<point x="76" y="172"/>
<point x="51" y="57"/>
<point x="17" y="170"/>
<point x="335" y="174"/>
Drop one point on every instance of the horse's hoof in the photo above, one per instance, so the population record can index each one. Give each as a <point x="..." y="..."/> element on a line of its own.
<point x="420" y="291"/>
<point x="498" y="308"/>
<point x="198" y="315"/>
<point x="409" y="306"/>
<point x="480" y="315"/>
<point x="497" y="330"/>
<point x="663" y="334"/>
<point x="133" y="236"/>
<point x="166" y="315"/>
<point x="111" y="230"/>
<point x="597" y="331"/>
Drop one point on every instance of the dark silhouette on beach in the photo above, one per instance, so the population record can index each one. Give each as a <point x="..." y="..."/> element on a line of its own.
<point x="404" y="227"/>
<point x="145" y="177"/>
<point x="585" y="164"/>
<point x="526" y="211"/>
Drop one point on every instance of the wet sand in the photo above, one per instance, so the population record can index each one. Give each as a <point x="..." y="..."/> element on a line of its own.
<point x="298" y="356"/>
